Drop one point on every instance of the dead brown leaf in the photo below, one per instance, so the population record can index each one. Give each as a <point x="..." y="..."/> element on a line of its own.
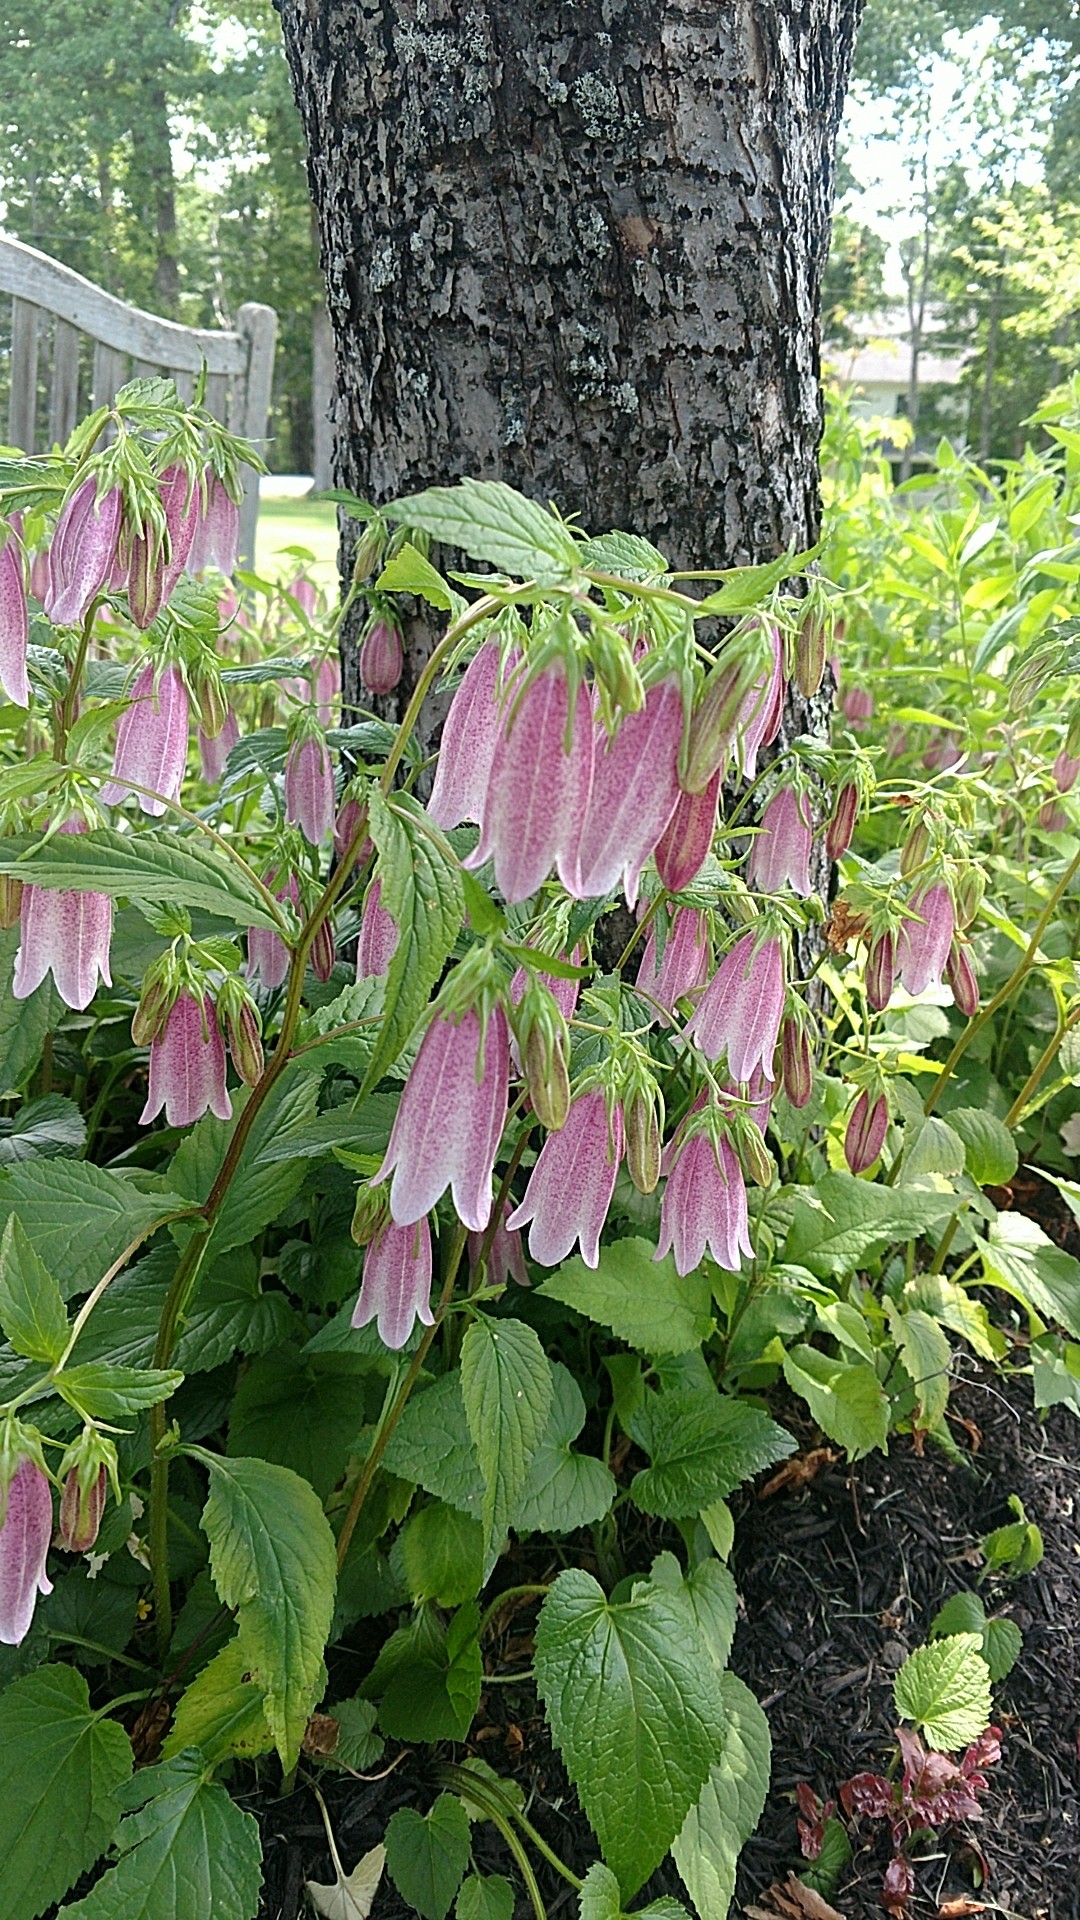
<point x="956" y="1909"/>
<point x="793" y="1901"/>
<point x="321" y="1734"/>
<point x="798" y="1471"/>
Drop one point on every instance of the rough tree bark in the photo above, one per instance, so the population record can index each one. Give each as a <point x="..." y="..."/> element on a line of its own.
<point x="578" y="246"/>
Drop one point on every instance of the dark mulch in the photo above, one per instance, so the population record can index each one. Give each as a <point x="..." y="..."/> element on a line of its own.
<point x="838" y="1582"/>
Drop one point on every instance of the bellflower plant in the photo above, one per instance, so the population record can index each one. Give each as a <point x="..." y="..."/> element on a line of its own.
<point x="396" y="1287"/>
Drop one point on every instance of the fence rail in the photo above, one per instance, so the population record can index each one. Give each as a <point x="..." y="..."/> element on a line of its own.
<point x="72" y="345"/>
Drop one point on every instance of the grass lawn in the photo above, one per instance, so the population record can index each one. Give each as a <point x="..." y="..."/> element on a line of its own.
<point x="311" y="524"/>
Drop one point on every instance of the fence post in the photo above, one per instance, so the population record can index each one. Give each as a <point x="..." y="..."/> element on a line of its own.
<point x="258" y="326"/>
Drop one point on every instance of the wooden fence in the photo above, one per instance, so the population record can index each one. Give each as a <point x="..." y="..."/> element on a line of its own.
<point x="72" y="346"/>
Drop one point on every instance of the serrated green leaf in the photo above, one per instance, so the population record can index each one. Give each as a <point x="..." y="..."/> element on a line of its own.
<point x="186" y="1852"/>
<point x="962" y="1613"/>
<point x="32" y="1311"/>
<point x="709" y="1592"/>
<point x="927" y="1356"/>
<point x="485" y="1897"/>
<point x="643" y="1300"/>
<point x="719" y="1524"/>
<point x="1055" y="1367"/>
<point x="358" y="1744"/>
<point x="600" y="1898"/>
<point x="429" y="1677"/>
<point x="23" y="1023"/>
<point x="80" y="1218"/>
<point x="729" y="1806"/>
<point x="442" y="1555"/>
<point x="1019" y="1257"/>
<point x="1002" y="1646"/>
<point x="45" y="1129"/>
<point x="302" y="1412"/>
<point x="432" y="1446"/>
<point x="363" y="1129"/>
<point x="935" y="1148"/>
<point x="563" y="1489"/>
<point x="98" y="1611"/>
<point x="490" y="521"/>
<point x="847" y="1402"/>
<point x="991" y="1155"/>
<point x="155" y="865"/>
<point x="427" y="1855"/>
<point x="635" y="1710"/>
<point x="421" y="891"/>
<point x="63" y="1769"/>
<point x="272" y="1556"/>
<point x="221" y="1712"/>
<point x="259" y="1191"/>
<point x="746" y="587"/>
<point x="228" y="1312"/>
<point x="506" y="1389"/>
<point x="100" y="1391"/>
<point x="624" y="553"/>
<point x="841" y="1221"/>
<point x="702" y="1446"/>
<point x="409" y="571"/>
<point x="944" y="1687"/>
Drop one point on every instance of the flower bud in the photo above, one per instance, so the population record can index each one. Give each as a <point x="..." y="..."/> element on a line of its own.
<point x="382" y="660"/>
<point x="716" y="715"/>
<point x="960" y="977"/>
<point x="244" y="1031"/>
<point x="369" y="1214"/>
<point x="754" y="1155"/>
<point x="916" y="846"/>
<point x="145" y="579"/>
<point x="1066" y="771"/>
<point x="880" y="971"/>
<point x="369" y="551"/>
<point x="81" y="1508"/>
<point x="866" y="1131"/>
<point x="841" y="825"/>
<point x="1072" y="737"/>
<point x="811" y="643"/>
<point x="857" y="706"/>
<point x="968" y="894"/>
<point x="323" y="952"/>
<point x="11" y="891"/>
<point x="211" y="705"/>
<point x="349" y="816"/>
<point x="155" y="1001"/>
<point x="796" y="1061"/>
<point x="1052" y="817"/>
<point x="642" y="1141"/>
<point x="547" y="1076"/>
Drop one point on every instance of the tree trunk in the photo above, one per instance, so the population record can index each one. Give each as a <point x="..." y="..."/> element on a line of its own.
<point x="578" y="246"/>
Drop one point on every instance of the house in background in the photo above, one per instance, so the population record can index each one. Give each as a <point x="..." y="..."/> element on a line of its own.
<point x="876" y="373"/>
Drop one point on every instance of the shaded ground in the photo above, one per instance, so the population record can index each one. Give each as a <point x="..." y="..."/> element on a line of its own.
<point x="838" y="1582"/>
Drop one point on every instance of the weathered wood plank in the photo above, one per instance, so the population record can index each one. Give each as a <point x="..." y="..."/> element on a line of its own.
<point x="110" y="372"/>
<point x="30" y="275"/>
<point x="258" y="326"/>
<point x="217" y="395"/>
<point x="22" y="401"/>
<point x="64" y="384"/>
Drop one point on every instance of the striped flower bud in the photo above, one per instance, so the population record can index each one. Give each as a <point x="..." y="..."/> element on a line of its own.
<point x="961" y="980"/>
<point x="643" y="1141"/>
<point x="382" y="658"/>
<point x="841" y="827"/>
<point x="880" y="971"/>
<point x="866" y="1131"/>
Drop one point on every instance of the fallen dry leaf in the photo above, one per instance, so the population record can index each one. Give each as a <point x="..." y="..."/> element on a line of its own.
<point x="321" y="1734"/>
<point x="798" y="1471"/>
<point x="793" y="1901"/>
<point x="956" y="1909"/>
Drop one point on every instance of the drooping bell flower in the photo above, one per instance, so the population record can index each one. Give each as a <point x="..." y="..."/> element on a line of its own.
<point x="269" y="958"/>
<point x="382" y="659"/>
<point x="82" y="552"/>
<point x="309" y="787"/>
<point x="762" y="709"/>
<point x="25" y="1538"/>
<point x="866" y="1131"/>
<point x="326" y="688"/>
<point x="961" y="979"/>
<point x="323" y="955"/>
<point x="67" y="933"/>
<point x="183" y="512"/>
<point x="923" y="946"/>
<point x="14" y="625"/>
<point x="1066" y="771"/>
<point x="685" y="964"/>
<point x="217" y="535"/>
<point x="395" y="1290"/>
<point x="686" y="841"/>
<point x="152" y="741"/>
<point x="345" y="826"/>
<point x="733" y="689"/>
<point x="187" y="1066"/>
<point x="942" y="752"/>
<point x="470" y="735"/>
<point x="214" y="750"/>
<point x="450" y="1120"/>
<point x="841" y="827"/>
<point x="571" y="1185"/>
<point x="302" y="590"/>
<point x="378" y="940"/>
<point x="704" y="1206"/>
<point x="506" y="1255"/>
<point x="635" y="790"/>
<point x="740" y="1011"/>
<point x="880" y="971"/>
<point x="538" y="792"/>
<point x="780" y="854"/>
<point x="857" y="706"/>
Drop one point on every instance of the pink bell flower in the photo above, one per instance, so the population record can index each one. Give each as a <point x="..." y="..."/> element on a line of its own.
<point x="740" y="1011"/>
<point x="704" y="1207"/>
<point x="217" y="534"/>
<point x="470" y="735"/>
<point x="780" y="854"/>
<point x="922" y="948"/>
<point x="759" y="1090"/>
<point x="635" y="791"/>
<point x="538" y="794"/>
<point x="506" y="1256"/>
<point x="866" y="1130"/>
<point x="268" y="958"/>
<point x="25" y="1538"/>
<point x="309" y="788"/>
<point x="326" y="688"/>
<point x="378" y="940"/>
<point x="183" y="512"/>
<point x="857" y="706"/>
<point x="214" y="750"/>
<point x="14" y="625"/>
<point x="1052" y="817"/>
<point x="382" y="660"/>
<point x="1066" y="770"/>
<point x="345" y="825"/>
<point x="187" y="1066"/>
<point x="450" y="1120"/>
<point x="302" y="591"/>
<point x="67" y="932"/>
<point x="571" y="1185"/>
<point x="152" y="741"/>
<point x="686" y="841"/>
<point x="763" y="709"/>
<point x="685" y="964"/>
<point x="396" y="1287"/>
<point x="82" y="552"/>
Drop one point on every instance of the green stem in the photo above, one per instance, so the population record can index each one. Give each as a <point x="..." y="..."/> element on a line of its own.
<point x="490" y="1799"/>
<point x="1044" y="1060"/>
<point x="1018" y="975"/>
<point x="529" y="1590"/>
<point x="65" y="712"/>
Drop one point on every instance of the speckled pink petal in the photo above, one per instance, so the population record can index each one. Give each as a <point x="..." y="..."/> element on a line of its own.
<point x="635" y="790"/>
<point x="24" y="1545"/>
<point x="151" y="740"/>
<point x="467" y="748"/>
<point x="538" y="793"/>
<point x="396" y="1287"/>
<point x="571" y="1185"/>
<point x="187" y="1066"/>
<point x="684" y="845"/>
<point x="14" y="626"/>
